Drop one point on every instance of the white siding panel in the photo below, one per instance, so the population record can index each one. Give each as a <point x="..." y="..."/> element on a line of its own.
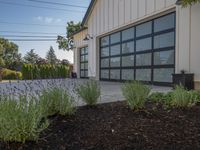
<point x="121" y="12"/>
<point x="142" y="8"/>
<point x="134" y="9"/>
<point x="184" y="39"/>
<point x="195" y="41"/>
<point x="127" y="11"/>
<point x="116" y="13"/>
<point x="170" y="2"/>
<point x="111" y="15"/>
<point x="98" y="17"/>
<point x="150" y="6"/>
<point x="160" y="4"/>
<point x="106" y="12"/>
<point x="102" y="16"/>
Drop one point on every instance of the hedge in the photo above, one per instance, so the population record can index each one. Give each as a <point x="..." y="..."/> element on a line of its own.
<point x="45" y="71"/>
<point x="8" y="74"/>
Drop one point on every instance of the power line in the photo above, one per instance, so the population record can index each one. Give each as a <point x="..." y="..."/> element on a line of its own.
<point x="22" y="32"/>
<point x="33" y="40"/>
<point x="55" y="3"/>
<point x="29" y="24"/>
<point x="41" y="7"/>
<point x="28" y="36"/>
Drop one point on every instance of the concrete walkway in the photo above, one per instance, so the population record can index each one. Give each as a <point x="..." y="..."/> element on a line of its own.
<point x="110" y="91"/>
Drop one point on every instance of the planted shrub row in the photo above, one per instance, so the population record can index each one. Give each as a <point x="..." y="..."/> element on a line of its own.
<point x="25" y="117"/>
<point x="8" y="74"/>
<point x="45" y="71"/>
<point x="136" y="94"/>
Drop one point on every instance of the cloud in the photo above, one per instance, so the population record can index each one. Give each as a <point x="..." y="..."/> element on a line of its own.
<point x="47" y="20"/>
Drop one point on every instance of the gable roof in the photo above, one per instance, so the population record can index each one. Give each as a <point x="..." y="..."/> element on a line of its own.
<point x="88" y="12"/>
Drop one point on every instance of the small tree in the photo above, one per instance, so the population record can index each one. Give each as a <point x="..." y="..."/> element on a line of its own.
<point x="65" y="43"/>
<point x="51" y="56"/>
<point x="185" y="3"/>
<point x="31" y="57"/>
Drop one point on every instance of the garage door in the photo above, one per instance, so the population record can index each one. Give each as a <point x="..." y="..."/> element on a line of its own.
<point x="145" y="52"/>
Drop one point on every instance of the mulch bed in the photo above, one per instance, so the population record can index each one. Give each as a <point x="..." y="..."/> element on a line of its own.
<point x="114" y="126"/>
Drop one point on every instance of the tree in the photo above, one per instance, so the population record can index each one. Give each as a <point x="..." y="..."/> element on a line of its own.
<point x="51" y="56"/>
<point x="185" y="3"/>
<point x="31" y="57"/>
<point x="9" y="54"/>
<point x="65" y="43"/>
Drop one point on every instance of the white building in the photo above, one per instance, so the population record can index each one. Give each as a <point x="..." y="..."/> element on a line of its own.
<point x="145" y="40"/>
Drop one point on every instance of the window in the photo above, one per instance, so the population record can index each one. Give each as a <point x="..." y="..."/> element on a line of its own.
<point x="84" y="62"/>
<point x="128" y="34"/>
<point x="164" y="40"/>
<point x="105" y="62"/>
<point x="128" y="61"/>
<point x="164" y="57"/>
<point x="105" y="52"/>
<point x="115" y="38"/>
<point x="128" y="47"/>
<point x="144" y="44"/>
<point x="115" y="62"/>
<point x="164" y="23"/>
<point x="115" y="50"/>
<point x="145" y="52"/>
<point x="127" y="74"/>
<point x="105" y="41"/>
<point x="115" y="74"/>
<point x="143" y="59"/>
<point x="105" y="74"/>
<point x="163" y="74"/>
<point x="143" y="74"/>
<point x="144" y="29"/>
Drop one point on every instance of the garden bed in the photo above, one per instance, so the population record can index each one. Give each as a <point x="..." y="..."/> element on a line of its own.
<point x="115" y="126"/>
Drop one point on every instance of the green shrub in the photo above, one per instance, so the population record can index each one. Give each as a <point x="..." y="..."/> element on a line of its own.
<point x="183" y="98"/>
<point x="136" y="94"/>
<point x="45" y="71"/>
<point x="56" y="101"/>
<point x="20" y="120"/>
<point x="8" y="74"/>
<point x="157" y="97"/>
<point x="89" y="92"/>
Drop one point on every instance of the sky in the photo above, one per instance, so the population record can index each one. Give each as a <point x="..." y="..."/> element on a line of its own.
<point x="41" y="20"/>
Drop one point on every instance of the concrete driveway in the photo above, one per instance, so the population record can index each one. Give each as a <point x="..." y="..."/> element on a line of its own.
<point x="110" y="91"/>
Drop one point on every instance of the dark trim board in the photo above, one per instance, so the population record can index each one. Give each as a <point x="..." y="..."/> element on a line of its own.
<point x="151" y="51"/>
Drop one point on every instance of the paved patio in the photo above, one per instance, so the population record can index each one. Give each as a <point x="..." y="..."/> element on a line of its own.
<point x="110" y="91"/>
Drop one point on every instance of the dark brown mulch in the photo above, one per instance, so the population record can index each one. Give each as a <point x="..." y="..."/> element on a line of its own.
<point x="114" y="126"/>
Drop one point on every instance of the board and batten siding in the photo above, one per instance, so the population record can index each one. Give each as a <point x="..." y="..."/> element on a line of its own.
<point x="110" y="15"/>
<point x="78" y="43"/>
<point x="188" y="41"/>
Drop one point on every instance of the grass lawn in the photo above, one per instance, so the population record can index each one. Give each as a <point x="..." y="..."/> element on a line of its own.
<point x="115" y="126"/>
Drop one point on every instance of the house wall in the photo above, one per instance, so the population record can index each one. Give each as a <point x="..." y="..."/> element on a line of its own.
<point x="79" y="43"/>
<point x="111" y="15"/>
<point x="188" y="41"/>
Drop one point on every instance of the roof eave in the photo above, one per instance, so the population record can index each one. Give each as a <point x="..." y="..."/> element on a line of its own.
<point x="88" y="12"/>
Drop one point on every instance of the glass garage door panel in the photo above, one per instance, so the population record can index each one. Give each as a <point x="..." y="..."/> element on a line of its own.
<point x="105" y="74"/>
<point x="144" y="44"/>
<point x="115" y="74"/>
<point x="163" y="74"/>
<point x="164" y="23"/>
<point x="84" y="62"/>
<point x="164" y="58"/>
<point x="143" y="74"/>
<point x="127" y="74"/>
<point x="143" y="59"/>
<point x="128" y="47"/>
<point x="145" y="52"/>
<point x="164" y="40"/>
